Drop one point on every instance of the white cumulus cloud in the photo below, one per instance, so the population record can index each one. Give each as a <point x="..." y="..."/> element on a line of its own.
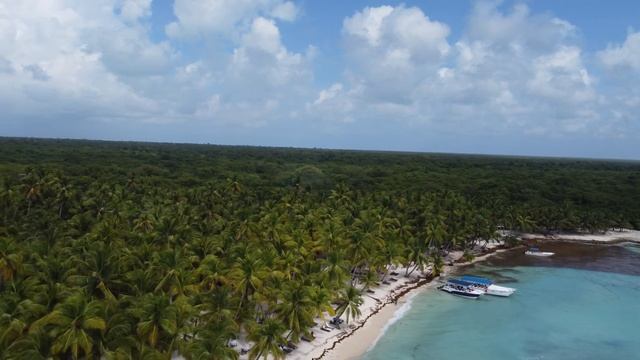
<point x="625" y="55"/>
<point x="210" y="17"/>
<point x="511" y="70"/>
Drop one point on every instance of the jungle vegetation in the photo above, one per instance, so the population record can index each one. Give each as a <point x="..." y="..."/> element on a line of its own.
<point x="125" y="250"/>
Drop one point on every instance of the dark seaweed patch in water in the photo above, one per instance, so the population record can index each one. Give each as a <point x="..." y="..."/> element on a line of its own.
<point x="621" y="258"/>
<point x="500" y="275"/>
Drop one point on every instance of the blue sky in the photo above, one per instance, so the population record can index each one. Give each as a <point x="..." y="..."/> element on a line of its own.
<point x="553" y="78"/>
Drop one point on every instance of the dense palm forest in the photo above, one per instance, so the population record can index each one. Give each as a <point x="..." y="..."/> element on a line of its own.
<point x="137" y="250"/>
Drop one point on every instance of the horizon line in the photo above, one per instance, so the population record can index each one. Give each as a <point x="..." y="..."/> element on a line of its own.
<point x="315" y="148"/>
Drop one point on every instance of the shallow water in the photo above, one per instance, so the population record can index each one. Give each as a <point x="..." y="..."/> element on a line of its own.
<point x="563" y="309"/>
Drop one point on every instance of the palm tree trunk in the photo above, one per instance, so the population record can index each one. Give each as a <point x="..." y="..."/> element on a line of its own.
<point x="244" y="292"/>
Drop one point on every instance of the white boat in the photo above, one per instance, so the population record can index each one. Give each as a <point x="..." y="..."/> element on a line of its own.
<point x="461" y="288"/>
<point x="487" y="285"/>
<point x="534" y="251"/>
<point x="497" y="290"/>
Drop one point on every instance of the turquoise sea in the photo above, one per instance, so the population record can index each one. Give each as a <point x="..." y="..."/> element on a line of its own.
<point x="584" y="303"/>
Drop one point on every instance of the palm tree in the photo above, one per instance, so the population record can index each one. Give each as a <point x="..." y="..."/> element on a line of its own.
<point x="64" y="193"/>
<point x="10" y="261"/>
<point x="172" y="264"/>
<point x="35" y="346"/>
<point x="216" y="305"/>
<point x="268" y="339"/>
<point x="296" y="310"/>
<point x="212" y="342"/>
<point x="390" y="253"/>
<point x="74" y="326"/>
<point x="248" y="276"/>
<point x="335" y="269"/>
<point x="156" y="321"/>
<point x="211" y="273"/>
<point x="97" y="272"/>
<point x="417" y="255"/>
<point x="524" y="223"/>
<point x="321" y="299"/>
<point x="369" y="279"/>
<point x="341" y="195"/>
<point x="349" y="300"/>
<point x="120" y="341"/>
<point x="359" y="252"/>
<point x="438" y="264"/>
<point x="33" y="189"/>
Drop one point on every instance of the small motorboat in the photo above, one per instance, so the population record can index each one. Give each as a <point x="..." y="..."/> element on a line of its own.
<point x="461" y="288"/>
<point x="534" y="251"/>
<point x="487" y="285"/>
<point x="497" y="290"/>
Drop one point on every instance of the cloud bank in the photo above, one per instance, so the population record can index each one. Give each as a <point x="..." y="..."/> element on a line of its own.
<point x="510" y="71"/>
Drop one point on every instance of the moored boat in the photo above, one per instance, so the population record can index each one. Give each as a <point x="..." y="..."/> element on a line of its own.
<point x="487" y="285"/>
<point x="461" y="288"/>
<point x="534" y="251"/>
<point x="497" y="290"/>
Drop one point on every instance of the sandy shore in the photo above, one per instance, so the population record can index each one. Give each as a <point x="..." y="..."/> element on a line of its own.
<point x="374" y="309"/>
<point x="607" y="237"/>
<point x="363" y="339"/>
<point x="353" y="342"/>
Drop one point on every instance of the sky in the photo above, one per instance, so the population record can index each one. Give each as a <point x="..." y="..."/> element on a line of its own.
<point x="542" y="78"/>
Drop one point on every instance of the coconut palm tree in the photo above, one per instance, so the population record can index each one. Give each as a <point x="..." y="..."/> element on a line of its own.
<point x="349" y="301"/>
<point x="119" y="341"/>
<point x="438" y="263"/>
<point x="369" y="279"/>
<point x="97" y="272"/>
<point x="35" y="346"/>
<point x="33" y="188"/>
<point x="524" y="223"/>
<point x="268" y="340"/>
<point x="335" y="269"/>
<point x="248" y="274"/>
<point x="156" y="318"/>
<point x="417" y="256"/>
<point x="212" y="342"/>
<point x="74" y="325"/>
<point x="211" y="273"/>
<point x="296" y="310"/>
<point x="64" y="193"/>
<point x="173" y="264"/>
<point x="321" y="299"/>
<point x="10" y="261"/>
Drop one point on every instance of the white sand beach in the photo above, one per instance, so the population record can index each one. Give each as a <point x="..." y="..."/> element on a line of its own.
<point x="607" y="237"/>
<point x="376" y="309"/>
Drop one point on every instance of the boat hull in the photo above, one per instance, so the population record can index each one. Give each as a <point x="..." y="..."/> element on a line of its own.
<point x="503" y="291"/>
<point x="539" y="253"/>
<point x="474" y="294"/>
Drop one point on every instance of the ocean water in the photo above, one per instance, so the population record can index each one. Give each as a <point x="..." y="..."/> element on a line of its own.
<point x="584" y="303"/>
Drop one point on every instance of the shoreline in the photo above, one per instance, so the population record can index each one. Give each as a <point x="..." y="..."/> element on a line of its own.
<point x="362" y="335"/>
<point x="609" y="237"/>
<point x="356" y="341"/>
